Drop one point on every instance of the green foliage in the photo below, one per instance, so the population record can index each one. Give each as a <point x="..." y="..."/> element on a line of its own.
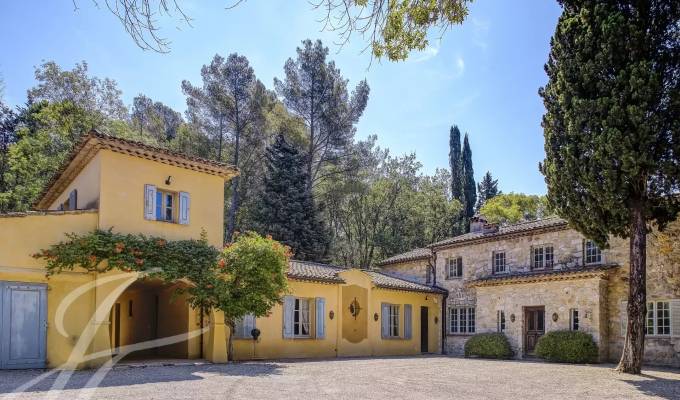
<point x="246" y="277"/>
<point x="469" y="186"/>
<point x="568" y="347"/>
<point x="488" y="345"/>
<point x="456" y="164"/>
<point x="612" y="121"/>
<point x="286" y="209"/>
<point x="486" y="189"/>
<point x="511" y="208"/>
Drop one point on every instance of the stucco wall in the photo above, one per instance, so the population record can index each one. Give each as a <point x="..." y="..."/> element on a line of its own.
<point x="87" y="183"/>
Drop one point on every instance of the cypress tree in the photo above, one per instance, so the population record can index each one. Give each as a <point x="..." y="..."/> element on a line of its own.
<point x="469" y="186"/>
<point x="286" y="209"/>
<point x="612" y="137"/>
<point x="456" y="164"/>
<point x="486" y="189"/>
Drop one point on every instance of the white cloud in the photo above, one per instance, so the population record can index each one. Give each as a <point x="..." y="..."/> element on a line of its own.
<point x="428" y="53"/>
<point x="480" y="31"/>
<point x="459" y="67"/>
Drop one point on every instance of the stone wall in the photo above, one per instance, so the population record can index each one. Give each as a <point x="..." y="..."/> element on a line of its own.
<point x="558" y="297"/>
<point x="412" y="270"/>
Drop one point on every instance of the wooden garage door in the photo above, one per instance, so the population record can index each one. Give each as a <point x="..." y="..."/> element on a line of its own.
<point x="23" y="317"/>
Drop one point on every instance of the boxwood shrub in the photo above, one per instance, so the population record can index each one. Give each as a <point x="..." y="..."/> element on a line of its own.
<point x="567" y="347"/>
<point x="488" y="345"/>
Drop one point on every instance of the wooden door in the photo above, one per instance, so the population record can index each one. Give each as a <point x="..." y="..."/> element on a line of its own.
<point x="534" y="327"/>
<point x="424" y="330"/>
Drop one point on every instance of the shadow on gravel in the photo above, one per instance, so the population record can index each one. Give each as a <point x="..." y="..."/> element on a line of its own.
<point x="656" y="386"/>
<point x="10" y="380"/>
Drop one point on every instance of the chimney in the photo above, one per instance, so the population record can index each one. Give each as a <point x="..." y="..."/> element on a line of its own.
<point x="477" y="223"/>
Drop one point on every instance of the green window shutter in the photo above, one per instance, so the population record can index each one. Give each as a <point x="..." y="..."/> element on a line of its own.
<point x="407" y="321"/>
<point x="184" y="204"/>
<point x="288" y="309"/>
<point x="150" y="202"/>
<point x="675" y="317"/>
<point x="624" y="317"/>
<point x="320" y="320"/>
<point x="385" y="320"/>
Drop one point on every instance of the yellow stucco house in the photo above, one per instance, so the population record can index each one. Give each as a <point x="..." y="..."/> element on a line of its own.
<point x="80" y="319"/>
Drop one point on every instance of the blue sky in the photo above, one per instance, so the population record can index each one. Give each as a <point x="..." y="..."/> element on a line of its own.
<point x="483" y="76"/>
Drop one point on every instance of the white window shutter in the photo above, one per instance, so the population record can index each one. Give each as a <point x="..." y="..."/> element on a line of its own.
<point x="288" y="309"/>
<point x="320" y="320"/>
<point x="385" y="320"/>
<point x="407" y="321"/>
<point x="149" y="202"/>
<point x="184" y="206"/>
<point x="675" y="317"/>
<point x="624" y="317"/>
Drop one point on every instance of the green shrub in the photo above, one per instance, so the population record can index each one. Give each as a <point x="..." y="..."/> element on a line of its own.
<point x="488" y="345"/>
<point x="567" y="346"/>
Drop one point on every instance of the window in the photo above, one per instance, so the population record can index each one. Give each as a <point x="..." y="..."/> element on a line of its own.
<point x="454" y="267"/>
<point x="461" y="320"/>
<point x="428" y="274"/>
<point x="592" y="255"/>
<point x="500" y="321"/>
<point x="542" y="257"/>
<point x="301" y="321"/>
<point x="573" y="319"/>
<point x="244" y="326"/>
<point x="499" y="262"/>
<point x="658" y="318"/>
<point x="165" y="206"/>
<point x="393" y="318"/>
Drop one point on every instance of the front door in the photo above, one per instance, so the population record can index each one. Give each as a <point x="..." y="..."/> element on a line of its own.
<point x="23" y="325"/>
<point x="534" y="327"/>
<point x="424" y="330"/>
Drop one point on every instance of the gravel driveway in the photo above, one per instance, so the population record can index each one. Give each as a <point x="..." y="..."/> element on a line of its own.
<point x="427" y="377"/>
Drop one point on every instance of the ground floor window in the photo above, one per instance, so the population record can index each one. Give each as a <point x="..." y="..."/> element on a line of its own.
<point x="393" y="318"/>
<point x="243" y="327"/>
<point x="462" y="320"/>
<point x="658" y="318"/>
<point x="573" y="319"/>
<point x="500" y="321"/>
<point x="301" y="321"/>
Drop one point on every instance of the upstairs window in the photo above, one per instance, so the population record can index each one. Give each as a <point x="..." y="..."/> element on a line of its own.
<point x="165" y="206"/>
<point x="592" y="253"/>
<point x="454" y="267"/>
<point x="499" y="262"/>
<point x="542" y="257"/>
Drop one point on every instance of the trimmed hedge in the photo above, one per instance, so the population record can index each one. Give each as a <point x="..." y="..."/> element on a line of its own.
<point x="567" y="347"/>
<point x="488" y="345"/>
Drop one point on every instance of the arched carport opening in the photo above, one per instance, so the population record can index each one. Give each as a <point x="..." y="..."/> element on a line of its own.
<point x="150" y="321"/>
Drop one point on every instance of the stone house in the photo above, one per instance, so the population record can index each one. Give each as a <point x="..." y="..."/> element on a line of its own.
<point x="534" y="277"/>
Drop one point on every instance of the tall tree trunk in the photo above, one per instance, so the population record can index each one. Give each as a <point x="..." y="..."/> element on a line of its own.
<point x="634" y="345"/>
<point x="230" y="342"/>
<point x="231" y="225"/>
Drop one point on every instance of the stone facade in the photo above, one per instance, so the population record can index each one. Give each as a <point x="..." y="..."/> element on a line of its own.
<point x="597" y="291"/>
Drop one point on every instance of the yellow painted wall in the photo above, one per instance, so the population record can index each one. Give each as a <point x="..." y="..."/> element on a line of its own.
<point x="88" y="185"/>
<point x="122" y="198"/>
<point x="272" y="345"/>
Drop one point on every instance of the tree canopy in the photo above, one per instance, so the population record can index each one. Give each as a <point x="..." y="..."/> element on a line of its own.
<point x="511" y="208"/>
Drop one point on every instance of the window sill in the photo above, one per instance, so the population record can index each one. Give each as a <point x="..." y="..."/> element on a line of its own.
<point x="658" y="337"/>
<point x="394" y="338"/>
<point x="459" y="334"/>
<point x="454" y="278"/>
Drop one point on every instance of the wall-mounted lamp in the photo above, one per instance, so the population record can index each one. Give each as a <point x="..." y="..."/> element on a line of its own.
<point x="555" y="317"/>
<point x="331" y="314"/>
<point x="375" y="316"/>
<point x="168" y="181"/>
<point x="512" y="317"/>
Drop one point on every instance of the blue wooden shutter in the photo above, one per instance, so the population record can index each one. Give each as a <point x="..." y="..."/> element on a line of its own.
<point x="675" y="317"/>
<point x="407" y="321"/>
<point x="320" y="320"/>
<point x="288" y="309"/>
<point x="23" y="328"/>
<point x="385" y="320"/>
<point x="73" y="200"/>
<point x="150" y="202"/>
<point x="184" y="203"/>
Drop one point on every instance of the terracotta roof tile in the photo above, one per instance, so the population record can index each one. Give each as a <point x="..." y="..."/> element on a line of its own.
<point x="416" y="254"/>
<point x="386" y="281"/>
<point x="552" y="274"/>
<point x="311" y="271"/>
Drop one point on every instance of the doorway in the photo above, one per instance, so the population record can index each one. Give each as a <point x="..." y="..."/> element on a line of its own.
<point x="534" y="327"/>
<point x="424" y="330"/>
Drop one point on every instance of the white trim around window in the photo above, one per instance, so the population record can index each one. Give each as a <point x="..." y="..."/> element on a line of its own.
<point x="461" y="320"/>
<point x="499" y="262"/>
<point x="658" y="321"/>
<point x="454" y="267"/>
<point x="591" y="253"/>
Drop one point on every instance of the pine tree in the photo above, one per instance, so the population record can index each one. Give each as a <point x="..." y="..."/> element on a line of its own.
<point x="486" y="189"/>
<point x="469" y="186"/>
<point x="286" y="209"/>
<point x="456" y="163"/>
<point x="612" y="136"/>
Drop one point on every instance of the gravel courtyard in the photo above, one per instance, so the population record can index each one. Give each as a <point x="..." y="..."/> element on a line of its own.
<point x="427" y="377"/>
